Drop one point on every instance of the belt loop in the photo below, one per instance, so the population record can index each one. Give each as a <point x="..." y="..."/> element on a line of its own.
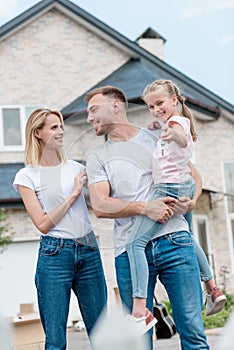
<point x="61" y="242"/>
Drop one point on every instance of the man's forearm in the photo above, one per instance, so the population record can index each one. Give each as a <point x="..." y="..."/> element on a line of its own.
<point x="105" y="206"/>
<point x="114" y="208"/>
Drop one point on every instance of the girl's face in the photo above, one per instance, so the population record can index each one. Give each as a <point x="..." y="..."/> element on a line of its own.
<point x="161" y="105"/>
<point x="52" y="133"/>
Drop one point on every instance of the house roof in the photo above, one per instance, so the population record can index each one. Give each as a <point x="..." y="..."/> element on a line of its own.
<point x="8" y="196"/>
<point x="134" y="75"/>
<point x="197" y="94"/>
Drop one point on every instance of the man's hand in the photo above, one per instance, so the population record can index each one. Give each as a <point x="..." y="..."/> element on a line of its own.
<point x="192" y="204"/>
<point x="154" y="125"/>
<point x="182" y="205"/>
<point x="158" y="210"/>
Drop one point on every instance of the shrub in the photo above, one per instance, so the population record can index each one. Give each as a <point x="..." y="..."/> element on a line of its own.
<point x="217" y="320"/>
<point x="5" y="238"/>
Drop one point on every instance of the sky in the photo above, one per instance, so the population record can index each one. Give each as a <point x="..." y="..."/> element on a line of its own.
<point x="199" y="33"/>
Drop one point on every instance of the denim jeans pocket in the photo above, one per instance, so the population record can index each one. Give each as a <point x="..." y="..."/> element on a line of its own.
<point x="182" y="238"/>
<point x="47" y="249"/>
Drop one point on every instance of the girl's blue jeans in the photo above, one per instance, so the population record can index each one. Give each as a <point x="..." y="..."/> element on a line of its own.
<point x="65" y="265"/>
<point x="172" y="259"/>
<point x="144" y="230"/>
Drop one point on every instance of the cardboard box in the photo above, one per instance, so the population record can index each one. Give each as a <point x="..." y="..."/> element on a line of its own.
<point x="36" y="346"/>
<point x="26" y="309"/>
<point x="27" y="332"/>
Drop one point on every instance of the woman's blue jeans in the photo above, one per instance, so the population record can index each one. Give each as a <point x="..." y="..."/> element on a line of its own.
<point x="172" y="259"/>
<point x="64" y="265"/>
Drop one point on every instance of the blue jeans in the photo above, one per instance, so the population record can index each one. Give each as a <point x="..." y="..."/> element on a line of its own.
<point x="64" y="265"/>
<point x="172" y="259"/>
<point x="143" y="230"/>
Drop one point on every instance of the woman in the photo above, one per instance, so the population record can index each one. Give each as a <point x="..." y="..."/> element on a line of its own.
<point x="69" y="258"/>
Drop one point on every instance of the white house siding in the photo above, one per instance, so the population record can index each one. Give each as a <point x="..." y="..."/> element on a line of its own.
<point x="17" y="268"/>
<point x="48" y="62"/>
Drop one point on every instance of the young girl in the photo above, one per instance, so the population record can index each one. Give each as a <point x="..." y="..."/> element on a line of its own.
<point x="68" y="257"/>
<point x="171" y="175"/>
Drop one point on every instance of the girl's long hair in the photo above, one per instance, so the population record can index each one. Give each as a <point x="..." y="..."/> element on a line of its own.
<point x="173" y="89"/>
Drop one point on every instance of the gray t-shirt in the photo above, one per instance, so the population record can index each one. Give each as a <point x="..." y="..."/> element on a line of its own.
<point x="127" y="166"/>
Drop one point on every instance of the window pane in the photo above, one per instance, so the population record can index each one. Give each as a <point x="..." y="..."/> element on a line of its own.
<point x="229" y="182"/>
<point x="11" y="127"/>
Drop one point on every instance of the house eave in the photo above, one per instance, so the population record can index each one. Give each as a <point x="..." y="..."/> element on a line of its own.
<point x="11" y="203"/>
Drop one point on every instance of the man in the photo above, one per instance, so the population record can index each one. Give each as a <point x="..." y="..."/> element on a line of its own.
<point x="120" y="183"/>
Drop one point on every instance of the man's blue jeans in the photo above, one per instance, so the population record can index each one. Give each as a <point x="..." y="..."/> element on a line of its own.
<point x="172" y="259"/>
<point x="64" y="265"/>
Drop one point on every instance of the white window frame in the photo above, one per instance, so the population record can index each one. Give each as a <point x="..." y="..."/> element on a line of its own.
<point x="203" y="218"/>
<point x="23" y="119"/>
<point x="229" y="218"/>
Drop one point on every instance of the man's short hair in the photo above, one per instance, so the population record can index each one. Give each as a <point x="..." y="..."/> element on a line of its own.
<point x="109" y="90"/>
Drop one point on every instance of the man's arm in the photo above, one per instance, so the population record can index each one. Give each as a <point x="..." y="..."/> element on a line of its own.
<point x="105" y="206"/>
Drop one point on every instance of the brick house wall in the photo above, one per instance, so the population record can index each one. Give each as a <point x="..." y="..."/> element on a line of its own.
<point x="51" y="61"/>
<point x="209" y="158"/>
<point x="213" y="148"/>
<point x="52" y="70"/>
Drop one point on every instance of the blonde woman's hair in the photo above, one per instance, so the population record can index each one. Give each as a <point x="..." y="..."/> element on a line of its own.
<point x="172" y="89"/>
<point x="36" y="120"/>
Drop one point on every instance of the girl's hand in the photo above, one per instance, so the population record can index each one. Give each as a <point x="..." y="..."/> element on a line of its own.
<point x="79" y="181"/>
<point x="167" y="134"/>
<point x="175" y="133"/>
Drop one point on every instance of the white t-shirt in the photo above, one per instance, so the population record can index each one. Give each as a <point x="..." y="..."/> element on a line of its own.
<point x="52" y="186"/>
<point x="127" y="166"/>
<point x="170" y="162"/>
